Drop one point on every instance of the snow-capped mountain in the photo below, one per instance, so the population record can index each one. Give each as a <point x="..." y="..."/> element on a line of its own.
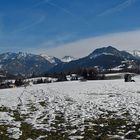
<point x="67" y="59"/>
<point x="24" y="63"/>
<point x="104" y="58"/>
<point x="51" y="59"/>
<point x="110" y="51"/>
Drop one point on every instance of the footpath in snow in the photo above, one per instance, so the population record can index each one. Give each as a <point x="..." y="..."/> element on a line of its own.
<point x="66" y="106"/>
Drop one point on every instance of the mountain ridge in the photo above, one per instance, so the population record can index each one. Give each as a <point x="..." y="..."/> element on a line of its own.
<point x="103" y="58"/>
<point x="23" y="63"/>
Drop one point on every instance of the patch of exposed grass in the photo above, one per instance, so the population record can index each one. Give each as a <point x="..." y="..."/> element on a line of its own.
<point x="29" y="132"/>
<point x="102" y="128"/>
<point x="3" y="132"/>
<point x="42" y="103"/>
<point x="4" y="109"/>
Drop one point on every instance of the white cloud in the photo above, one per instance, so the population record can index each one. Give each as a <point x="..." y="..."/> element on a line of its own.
<point x="58" y="40"/>
<point x="122" y="41"/>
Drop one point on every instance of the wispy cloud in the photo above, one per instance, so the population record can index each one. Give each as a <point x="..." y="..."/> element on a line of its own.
<point x="118" y="8"/>
<point x="58" y="40"/>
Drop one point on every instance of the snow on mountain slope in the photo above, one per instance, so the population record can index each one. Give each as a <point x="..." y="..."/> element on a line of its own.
<point x="51" y="59"/>
<point x="96" y="55"/>
<point x="67" y="59"/>
<point x="25" y="63"/>
<point x="41" y="106"/>
<point x="135" y="53"/>
<point x="104" y="51"/>
<point x="110" y="51"/>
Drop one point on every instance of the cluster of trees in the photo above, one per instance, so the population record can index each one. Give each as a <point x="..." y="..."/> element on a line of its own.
<point x="60" y="76"/>
<point x="88" y="73"/>
<point x="40" y="80"/>
<point x="91" y="73"/>
<point x="19" y="82"/>
<point x="5" y="85"/>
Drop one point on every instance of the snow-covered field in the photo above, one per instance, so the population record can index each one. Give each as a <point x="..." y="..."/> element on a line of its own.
<point x="71" y="110"/>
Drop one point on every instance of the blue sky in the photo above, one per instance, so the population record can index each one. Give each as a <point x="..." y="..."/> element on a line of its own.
<point x="35" y="25"/>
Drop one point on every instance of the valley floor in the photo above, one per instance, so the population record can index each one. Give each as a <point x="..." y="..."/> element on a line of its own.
<point x="107" y="109"/>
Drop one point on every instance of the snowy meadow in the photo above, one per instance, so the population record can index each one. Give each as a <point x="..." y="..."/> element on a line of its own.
<point x="103" y="109"/>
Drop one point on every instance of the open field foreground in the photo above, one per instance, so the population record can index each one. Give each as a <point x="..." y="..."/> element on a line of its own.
<point x="71" y="110"/>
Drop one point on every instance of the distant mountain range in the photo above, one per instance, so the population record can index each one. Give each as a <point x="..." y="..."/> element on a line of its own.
<point x="103" y="58"/>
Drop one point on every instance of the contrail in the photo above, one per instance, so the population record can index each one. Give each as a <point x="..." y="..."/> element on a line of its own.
<point x="118" y="8"/>
<point x="66" y="11"/>
<point x="36" y="22"/>
<point x="28" y="26"/>
<point x="59" y="7"/>
<point x="39" y="3"/>
<point x="49" y="2"/>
